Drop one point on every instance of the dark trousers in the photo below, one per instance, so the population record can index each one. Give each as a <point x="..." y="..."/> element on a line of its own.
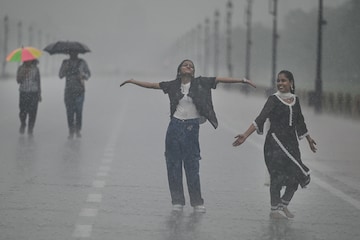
<point x="277" y="182"/>
<point x="28" y="104"/>
<point x="74" y="105"/>
<point x="182" y="150"/>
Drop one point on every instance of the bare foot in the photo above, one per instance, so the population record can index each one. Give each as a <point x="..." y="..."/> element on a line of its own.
<point x="277" y="215"/>
<point x="288" y="213"/>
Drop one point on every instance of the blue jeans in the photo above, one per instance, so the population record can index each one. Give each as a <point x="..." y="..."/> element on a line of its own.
<point x="182" y="148"/>
<point x="74" y="105"/>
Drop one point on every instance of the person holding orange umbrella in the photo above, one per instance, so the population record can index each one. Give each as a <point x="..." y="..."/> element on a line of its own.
<point x="28" y="78"/>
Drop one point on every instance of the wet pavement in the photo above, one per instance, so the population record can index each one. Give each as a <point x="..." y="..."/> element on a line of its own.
<point x="111" y="183"/>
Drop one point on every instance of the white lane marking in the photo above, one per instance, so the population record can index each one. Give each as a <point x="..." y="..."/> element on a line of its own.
<point x="109" y="152"/>
<point x="109" y="149"/>
<point x="88" y="212"/>
<point x="107" y="160"/>
<point x="102" y="174"/>
<point x="98" y="184"/>
<point x="337" y="192"/>
<point x="316" y="180"/>
<point x="94" y="198"/>
<point x="85" y="230"/>
<point x="109" y="155"/>
<point x="104" y="168"/>
<point x="82" y="231"/>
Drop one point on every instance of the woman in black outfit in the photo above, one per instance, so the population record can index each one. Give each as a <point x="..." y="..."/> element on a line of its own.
<point x="281" y="149"/>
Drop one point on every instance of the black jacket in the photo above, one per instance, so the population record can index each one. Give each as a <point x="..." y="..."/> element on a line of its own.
<point x="200" y="92"/>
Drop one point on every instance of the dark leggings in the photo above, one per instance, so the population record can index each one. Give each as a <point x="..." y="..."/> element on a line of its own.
<point x="277" y="181"/>
<point x="28" y="105"/>
<point x="74" y="106"/>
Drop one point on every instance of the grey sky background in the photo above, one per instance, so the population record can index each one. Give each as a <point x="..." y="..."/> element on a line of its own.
<point x="130" y="34"/>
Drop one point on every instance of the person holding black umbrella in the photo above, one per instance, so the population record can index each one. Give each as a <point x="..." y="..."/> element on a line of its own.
<point x="76" y="71"/>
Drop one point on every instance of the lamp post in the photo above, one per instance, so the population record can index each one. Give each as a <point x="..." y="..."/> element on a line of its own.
<point x="199" y="44"/>
<point x="245" y="88"/>
<point x="5" y="46"/>
<point x="216" y="43"/>
<point x="31" y="35"/>
<point x="318" y="80"/>
<point x="228" y="31"/>
<point x="275" y="36"/>
<point x="19" y="36"/>
<point x="206" y="46"/>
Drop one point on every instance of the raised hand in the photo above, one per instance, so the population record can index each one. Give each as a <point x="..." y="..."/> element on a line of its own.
<point x="125" y="82"/>
<point x="247" y="81"/>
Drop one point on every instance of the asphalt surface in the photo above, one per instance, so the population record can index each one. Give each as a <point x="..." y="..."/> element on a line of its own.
<point x="111" y="183"/>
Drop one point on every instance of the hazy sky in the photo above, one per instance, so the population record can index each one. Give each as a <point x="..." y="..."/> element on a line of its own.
<point x="125" y="32"/>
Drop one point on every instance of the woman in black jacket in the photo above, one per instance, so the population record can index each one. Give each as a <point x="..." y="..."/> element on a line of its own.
<point x="190" y="105"/>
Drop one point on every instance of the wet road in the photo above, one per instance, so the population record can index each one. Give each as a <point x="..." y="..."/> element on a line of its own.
<point x="111" y="183"/>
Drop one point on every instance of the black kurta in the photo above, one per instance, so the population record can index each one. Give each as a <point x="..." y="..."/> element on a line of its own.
<point x="281" y="149"/>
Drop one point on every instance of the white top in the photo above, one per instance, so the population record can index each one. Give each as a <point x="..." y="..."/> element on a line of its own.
<point x="186" y="108"/>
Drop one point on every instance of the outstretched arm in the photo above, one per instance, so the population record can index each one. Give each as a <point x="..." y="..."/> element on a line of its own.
<point x="235" y="80"/>
<point x="312" y="143"/>
<point x="142" y="84"/>
<point x="242" y="137"/>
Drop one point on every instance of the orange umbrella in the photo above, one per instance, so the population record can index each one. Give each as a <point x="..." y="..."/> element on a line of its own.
<point x="24" y="54"/>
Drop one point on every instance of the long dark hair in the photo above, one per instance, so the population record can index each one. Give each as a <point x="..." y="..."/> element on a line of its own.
<point x="178" y="68"/>
<point x="289" y="76"/>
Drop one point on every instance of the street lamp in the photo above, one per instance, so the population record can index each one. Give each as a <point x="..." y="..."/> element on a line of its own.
<point x="245" y="88"/>
<point x="228" y="35"/>
<point x="273" y="11"/>
<point x="318" y="80"/>
<point x="206" y="46"/>
<point x="5" y="46"/>
<point x="216" y="42"/>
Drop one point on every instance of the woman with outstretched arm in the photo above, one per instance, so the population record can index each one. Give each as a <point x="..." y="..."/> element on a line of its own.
<point x="190" y="105"/>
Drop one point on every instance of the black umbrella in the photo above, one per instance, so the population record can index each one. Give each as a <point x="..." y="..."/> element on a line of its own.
<point x="65" y="47"/>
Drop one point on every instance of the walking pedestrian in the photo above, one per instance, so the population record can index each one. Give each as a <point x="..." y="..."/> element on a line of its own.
<point x="190" y="105"/>
<point x="28" y="78"/>
<point x="281" y="149"/>
<point x="76" y="71"/>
